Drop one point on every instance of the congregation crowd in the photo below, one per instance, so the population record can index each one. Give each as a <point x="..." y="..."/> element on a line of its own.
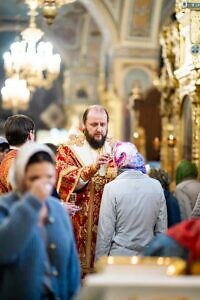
<point x="64" y="207"/>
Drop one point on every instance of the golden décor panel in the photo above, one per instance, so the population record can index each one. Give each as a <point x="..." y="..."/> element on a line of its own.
<point x="180" y="77"/>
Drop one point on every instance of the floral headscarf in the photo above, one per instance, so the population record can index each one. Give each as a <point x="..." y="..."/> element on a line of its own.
<point x="126" y="155"/>
<point x="17" y="171"/>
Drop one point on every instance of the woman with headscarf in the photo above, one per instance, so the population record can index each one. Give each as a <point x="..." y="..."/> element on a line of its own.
<point x="133" y="207"/>
<point x="173" y="210"/>
<point x="187" y="187"/>
<point x="38" y="257"/>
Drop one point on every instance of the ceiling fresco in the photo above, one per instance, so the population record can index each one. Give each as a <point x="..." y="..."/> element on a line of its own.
<point x="140" y="18"/>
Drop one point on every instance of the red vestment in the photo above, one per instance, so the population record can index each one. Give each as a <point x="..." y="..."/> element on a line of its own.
<point x="75" y="160"/>
<point x="4" y="171"/>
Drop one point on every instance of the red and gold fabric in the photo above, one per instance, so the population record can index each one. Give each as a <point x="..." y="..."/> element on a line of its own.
<point x="4" y="170"/>
<point x="74" y="161"/>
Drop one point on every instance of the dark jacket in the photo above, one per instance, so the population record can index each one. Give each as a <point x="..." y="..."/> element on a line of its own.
<point x="173" y="211"/>
<point x="22" y="250"/>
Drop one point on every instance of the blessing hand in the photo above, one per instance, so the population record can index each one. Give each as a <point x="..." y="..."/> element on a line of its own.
<point x="103" y="159"/>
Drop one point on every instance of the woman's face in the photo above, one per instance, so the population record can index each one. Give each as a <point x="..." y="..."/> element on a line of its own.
<point x="41" y="170"/>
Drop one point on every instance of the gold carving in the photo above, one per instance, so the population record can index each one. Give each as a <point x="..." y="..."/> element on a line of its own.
<point x="99" y="182"/>
<point x="170" y="102"/>
<point x="76" y="139"/>
<point x="179" y="6"/>
<point x="196" y="127"/>
<point x="195" y="26"/>
<point x="191" y="8"/>
<point x="180" y="77"/>
<point x="195" y="268"/>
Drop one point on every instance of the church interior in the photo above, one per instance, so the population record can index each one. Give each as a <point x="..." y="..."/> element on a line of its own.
<point x="134" y="57"/>
<point x="140" y="59"/>
<point x="137" y="58"/>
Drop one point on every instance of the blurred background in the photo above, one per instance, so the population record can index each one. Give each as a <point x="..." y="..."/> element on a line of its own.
<point x="59" y="56"/>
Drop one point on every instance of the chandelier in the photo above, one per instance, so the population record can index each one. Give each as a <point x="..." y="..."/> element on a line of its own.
<point x="49" y="7"/>
<point x="31" y="59"/>
<point x="15" y="94"/>
<point x="31" y="63"/>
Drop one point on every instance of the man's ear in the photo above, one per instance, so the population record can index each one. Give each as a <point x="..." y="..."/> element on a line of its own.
<point x="31" y="136"/>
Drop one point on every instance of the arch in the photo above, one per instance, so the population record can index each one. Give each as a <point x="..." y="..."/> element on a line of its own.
<point x="105" y="23"/>
<point x="136" y="73"/>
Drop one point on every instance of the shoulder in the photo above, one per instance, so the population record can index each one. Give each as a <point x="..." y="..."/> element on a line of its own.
<point x="8" y="159"/>
<point x="155" y="184"/>
<point x="153" y="181"/>
<point x="73" y="139"/>
<point x="7" y="200"/>
<point x="58" y="212"/>
<point x="188" y="182"/>
<point x="55" y="205"/>
<point x="76" y="139"/>
<point x="63" y="150"/>
<point x="11" y="155"/>
<point x="169" y="196"/>
<point x="112" y="184"/>
<point x="53" y="202"/>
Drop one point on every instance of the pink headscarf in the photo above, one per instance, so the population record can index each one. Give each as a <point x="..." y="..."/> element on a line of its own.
<point x="126" y="155"/>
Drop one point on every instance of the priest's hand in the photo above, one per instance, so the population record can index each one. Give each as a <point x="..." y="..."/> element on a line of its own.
<point x="103" y="159"/>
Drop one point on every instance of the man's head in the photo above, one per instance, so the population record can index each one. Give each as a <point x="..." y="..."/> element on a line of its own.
<point x="4" y="147"/>
<point x="95" y="125"/>
<point x="19" y="129"/>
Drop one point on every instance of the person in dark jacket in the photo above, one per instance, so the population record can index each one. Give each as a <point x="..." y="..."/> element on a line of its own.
<point x="173" y="211"/>
<point x="38" y="257"/>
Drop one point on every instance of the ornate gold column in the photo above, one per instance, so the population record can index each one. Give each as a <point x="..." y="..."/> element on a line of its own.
<point x="169" y="40"/>
<point x="137" y="133"/>
<point x="195" y="98"/>
<point x="180" y="78"/>
<point x="188" y="73"/>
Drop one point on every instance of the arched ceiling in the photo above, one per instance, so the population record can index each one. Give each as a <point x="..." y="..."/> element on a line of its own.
<point x="127" y="23"/>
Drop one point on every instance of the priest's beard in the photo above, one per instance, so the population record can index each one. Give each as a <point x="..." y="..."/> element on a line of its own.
<point x="94" y="143"/>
